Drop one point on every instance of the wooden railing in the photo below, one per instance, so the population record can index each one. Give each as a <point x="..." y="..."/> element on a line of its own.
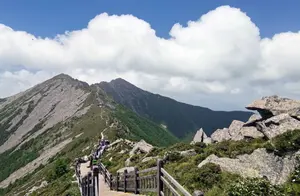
<point x="155" y="179"/>
<point x="89" y="184"/>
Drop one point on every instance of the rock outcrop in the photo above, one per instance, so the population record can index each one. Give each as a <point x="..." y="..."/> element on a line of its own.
<point x="141" y="146"/>
<point x="221" y="135"/>
<point x="258" y="164"/>
<point x="277" y="115"/>
<point x="188" y="153"/>
<point x="274" y="105"/>
<point x="201" y="136"/>
<point x="278" y="125"/>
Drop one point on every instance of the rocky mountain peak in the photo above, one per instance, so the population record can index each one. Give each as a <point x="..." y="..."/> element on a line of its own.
<point x="30" y="113"/>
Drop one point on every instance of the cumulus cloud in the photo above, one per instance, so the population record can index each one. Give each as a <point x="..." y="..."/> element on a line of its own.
<point x="221" y="56"/>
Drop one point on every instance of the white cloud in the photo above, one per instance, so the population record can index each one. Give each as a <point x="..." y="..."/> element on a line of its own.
<point x="219" y="56"/>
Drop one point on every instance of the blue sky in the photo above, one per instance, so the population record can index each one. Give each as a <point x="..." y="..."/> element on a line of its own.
<point x="223" y="61"/>
<point x="47" y="18"/>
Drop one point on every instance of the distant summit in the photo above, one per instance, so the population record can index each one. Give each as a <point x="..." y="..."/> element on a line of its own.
<point x="183" y="120"/>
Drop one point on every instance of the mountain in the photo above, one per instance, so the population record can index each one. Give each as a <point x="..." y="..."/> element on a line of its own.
<point x="183" y="120"/>
<point x="61" y="118"/>
<point x="259" y="157"/>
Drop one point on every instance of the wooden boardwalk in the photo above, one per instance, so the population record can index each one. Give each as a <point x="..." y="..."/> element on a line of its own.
<point x="103" y="188"/>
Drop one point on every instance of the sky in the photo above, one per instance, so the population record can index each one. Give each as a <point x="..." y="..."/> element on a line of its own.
<point x="218" y="54"/>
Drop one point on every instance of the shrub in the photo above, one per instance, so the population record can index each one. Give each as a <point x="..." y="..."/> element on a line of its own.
<point x="173" y="156"/>
<point x="233" y="148"/>
<point x="286" y="142"/>
<point x="60" y="168"/>
<point x="254" y="187"/>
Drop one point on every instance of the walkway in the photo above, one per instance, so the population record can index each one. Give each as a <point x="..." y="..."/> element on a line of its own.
<point x="103" y="188"/>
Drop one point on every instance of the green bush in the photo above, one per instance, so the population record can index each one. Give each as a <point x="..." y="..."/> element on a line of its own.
<point x="254" y="187"/>
<point x="233" y="148"/>
<point x="60" y="168"/>
<point x="173" y="156"/>
<point x="286" y="142"/>
<point x="194" y="178"/>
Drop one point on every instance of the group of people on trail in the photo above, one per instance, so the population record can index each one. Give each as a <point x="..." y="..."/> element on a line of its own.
<point x="102" y="144"/>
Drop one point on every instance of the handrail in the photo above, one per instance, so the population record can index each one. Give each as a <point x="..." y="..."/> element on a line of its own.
<point x="154" y="179"/>
<point x="159" y="181"/>
<point x="173" y="181"/>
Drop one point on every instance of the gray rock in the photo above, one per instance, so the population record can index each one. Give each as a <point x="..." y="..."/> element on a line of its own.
<point x="129" y="169"/>
<point x="221" y="135"/>
<point x="251" y="132"/>
<point x="277" y="125"/>
<point x="198" y="193"/>
<point x="235" y="127"/>
<point x="253" y="118"/>
<point x="141" y="146"/>
<point x="127" y="162"/>
<point x="274" y="105"/>
<point x="201" y="136"/>
<point x="148" y="159"/>
<point x="207" y="140"/>
<point x="188" y="153"/>
<point x="236" y="131"/>
<point x="258" y="164"/>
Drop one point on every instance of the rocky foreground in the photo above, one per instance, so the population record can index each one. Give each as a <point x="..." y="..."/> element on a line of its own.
<point x="266" y="148"/>
<point x="275" y="117"/>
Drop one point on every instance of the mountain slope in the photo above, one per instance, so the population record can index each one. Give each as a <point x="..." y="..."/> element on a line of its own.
<point x="62" y="118"/>
<point x="181" y="119"/>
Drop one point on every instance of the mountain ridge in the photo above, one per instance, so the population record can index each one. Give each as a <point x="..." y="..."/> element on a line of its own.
<point x="182" y="119"/>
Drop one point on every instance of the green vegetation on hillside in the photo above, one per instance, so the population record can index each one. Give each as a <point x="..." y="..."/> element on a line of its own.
<point x="12" y="160"/>
<point x="181" y="119"/>
<point x="142" y="128"/>
<point x="210" y="178"/>
<point x="84" y="132"/>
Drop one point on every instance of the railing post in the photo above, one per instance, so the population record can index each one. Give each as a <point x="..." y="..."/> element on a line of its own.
<point x="96" y="180"/>
<point x="117" y="181"/>
<point x="104" y="174"/>
<point x="110" y="182"/>
<point x="159" y="174"/>
<point x="136" y="175"/>
<point x="90" y="184"/>
<point x="125" y="183"/>
<point x="83" y="186"/>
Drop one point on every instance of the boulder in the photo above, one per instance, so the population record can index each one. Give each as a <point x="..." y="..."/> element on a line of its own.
<point x="201" y="136"/>
<point x="148" y="159"/>
<point x="251" y="132"/>
<point x="236" y="131"/>
<point x="129" y="169"/>
<point x="221" y="135"/>
<point x="277" y="125"/>
<point x="141" y="146"/>
<point x="188" y="153"/>
<point x="127" y="162"/>
<point x="274" y="105"/>
<point x="258" y="164"/>
<point x="235" y="127"/>
<point x="207" y="140"/>
<point x="198" y="193"/>
<point x="253" y="118"/>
